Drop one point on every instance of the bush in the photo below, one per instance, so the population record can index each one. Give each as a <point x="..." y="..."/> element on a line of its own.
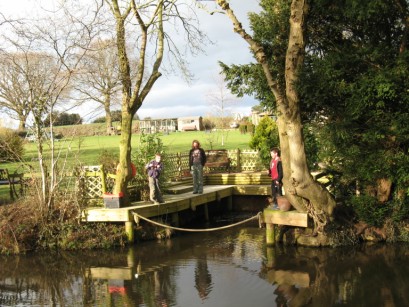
<point x="11" y="145"/>
<point x="369" y="209"/>
<point x="208" y="124"/>
<point x="108" y="160"/>
<point x="150" y="144"/>
<point x="264" y="138"/>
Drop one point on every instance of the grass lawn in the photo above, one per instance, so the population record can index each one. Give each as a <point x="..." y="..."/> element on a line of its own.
<point x="86" y="150"/>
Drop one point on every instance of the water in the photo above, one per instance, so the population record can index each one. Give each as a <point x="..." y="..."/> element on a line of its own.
<point x="228" y="268"/>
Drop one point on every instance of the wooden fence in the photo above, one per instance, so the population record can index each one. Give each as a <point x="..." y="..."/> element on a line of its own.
<point x="177" y="165"/>
<point x="93" y="181"/>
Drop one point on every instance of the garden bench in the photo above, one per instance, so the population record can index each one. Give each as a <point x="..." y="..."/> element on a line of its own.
<point x="12" y="180"/>
<point x="217" y="159"/>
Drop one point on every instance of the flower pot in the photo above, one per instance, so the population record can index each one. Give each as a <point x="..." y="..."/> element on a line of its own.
<point x="283" y="203"/>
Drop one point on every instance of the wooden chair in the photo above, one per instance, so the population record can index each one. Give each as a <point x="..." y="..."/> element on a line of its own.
<point x="13" y="180"/>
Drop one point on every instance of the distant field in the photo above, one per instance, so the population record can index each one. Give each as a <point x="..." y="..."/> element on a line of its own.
<point x="87" y="149"/>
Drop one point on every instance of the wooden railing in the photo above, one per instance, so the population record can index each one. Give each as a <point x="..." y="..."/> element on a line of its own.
<point x="177" y="165"/>
<point x="93" y="181"/>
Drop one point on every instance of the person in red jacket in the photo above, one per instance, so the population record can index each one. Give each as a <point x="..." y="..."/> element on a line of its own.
<point x="276" y="173"/>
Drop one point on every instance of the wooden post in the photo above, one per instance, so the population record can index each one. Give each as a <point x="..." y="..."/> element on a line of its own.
<point x="129" y="231"/>
<point x="270" y="236"/>
<point x="103" y="180"/>
<point x="130" y="258"/>
<point x="206" y="212"/>
<point x="238" y="161"/>
<point x="270" y="257"/>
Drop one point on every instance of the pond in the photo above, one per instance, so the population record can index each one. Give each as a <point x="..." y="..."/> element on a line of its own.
<point x="227" y="268"/>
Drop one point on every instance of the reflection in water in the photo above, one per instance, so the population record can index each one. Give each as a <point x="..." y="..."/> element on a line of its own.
<point x="229" y="268"/>
<point x="203" y="279"/>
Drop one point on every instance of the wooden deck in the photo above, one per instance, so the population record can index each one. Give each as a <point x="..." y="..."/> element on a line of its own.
<point x="181" y="199"/>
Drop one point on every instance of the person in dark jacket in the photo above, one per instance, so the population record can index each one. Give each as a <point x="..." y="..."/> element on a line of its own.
<point x="276" y="173"/>
<point x="154" y="169"/>
<point x="197" y="160"/>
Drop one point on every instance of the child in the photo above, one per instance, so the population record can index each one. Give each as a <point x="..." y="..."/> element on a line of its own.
<point x="154" y="169"/>
<point x="197" y="160"/>
<point x="276" y="173"/>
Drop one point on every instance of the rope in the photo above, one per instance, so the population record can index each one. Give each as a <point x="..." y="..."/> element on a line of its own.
<point x="136" y="216"/>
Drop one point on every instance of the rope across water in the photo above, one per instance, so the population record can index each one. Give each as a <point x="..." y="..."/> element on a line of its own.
<point x="137" y="216"/>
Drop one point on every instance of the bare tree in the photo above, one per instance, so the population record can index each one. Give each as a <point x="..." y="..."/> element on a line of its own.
<point x="150" y="39"/>
<point x="220" y="100"/>
<point x="304" y="193"/>
<point x="50" y="50"/>
<point x="14" y="92"/>
<point x="98" y="79"/>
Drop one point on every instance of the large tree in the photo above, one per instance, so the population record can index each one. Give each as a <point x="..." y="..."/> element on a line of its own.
<point x="351" y="84"/>
<point x="150" y="40"/>
<point x="356" y="79"/>
<point x="281" y="71"/>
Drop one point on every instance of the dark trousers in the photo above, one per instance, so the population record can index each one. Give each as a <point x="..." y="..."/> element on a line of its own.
<point x="276" y="190"/>
<point x="154" y="190"/>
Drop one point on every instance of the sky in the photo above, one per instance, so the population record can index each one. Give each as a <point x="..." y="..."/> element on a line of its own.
<point x="172" y="96"/>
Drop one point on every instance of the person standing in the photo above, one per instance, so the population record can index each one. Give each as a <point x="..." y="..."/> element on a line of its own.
<point x="276" y="173"/>
<point x="197" y="160"/>
<point x="154" y="169"/>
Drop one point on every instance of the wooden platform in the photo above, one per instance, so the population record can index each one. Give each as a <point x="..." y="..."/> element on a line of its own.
<point x="289" y="218"/>
<point x="178" y="197"/>
<point x="178" y="201"/>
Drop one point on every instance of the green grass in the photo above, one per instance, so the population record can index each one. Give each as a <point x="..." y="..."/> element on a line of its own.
<point x="86" y="150"/>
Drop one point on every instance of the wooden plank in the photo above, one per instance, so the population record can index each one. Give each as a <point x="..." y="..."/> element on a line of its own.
<point x="179" y="189"/>
<point x="199" y="199"/>
<point x="123" y="273"/>
<point x="262" y="190"/>
<point x="290" y="218"/>
<point x="166" y="208"/>
<point x="106" y="215"/>
<point x="224" y="193"/>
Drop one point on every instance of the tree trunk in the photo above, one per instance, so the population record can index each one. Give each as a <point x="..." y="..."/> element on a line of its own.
<point x="108" y="117"/>
<point x="124" y="172"/>
<point x="305" y="194"/>
<point x="22" y="122"/>
<point x="298" y="180"/>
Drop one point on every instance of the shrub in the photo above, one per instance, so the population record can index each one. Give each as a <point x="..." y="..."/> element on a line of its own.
<point x="264" y="138"/>
<point x="208" y="124"/>
<point x="150" y="144"/>
<point x="108" y="160"/>
<point x="369" y="209"/>
<point x="11" y="145"/>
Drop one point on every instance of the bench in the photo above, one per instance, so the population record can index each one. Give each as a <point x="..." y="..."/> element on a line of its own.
<point x="12" y="180"/>
<point x="217" y="160"/>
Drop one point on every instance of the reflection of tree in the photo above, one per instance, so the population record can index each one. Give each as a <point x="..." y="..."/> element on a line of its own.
<point x="370" y="276"/>
<point x="203" y="279"/>
<point x="156" y="287"/>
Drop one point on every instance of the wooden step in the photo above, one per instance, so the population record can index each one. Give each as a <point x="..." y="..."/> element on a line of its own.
<point x="180" y="189"/>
